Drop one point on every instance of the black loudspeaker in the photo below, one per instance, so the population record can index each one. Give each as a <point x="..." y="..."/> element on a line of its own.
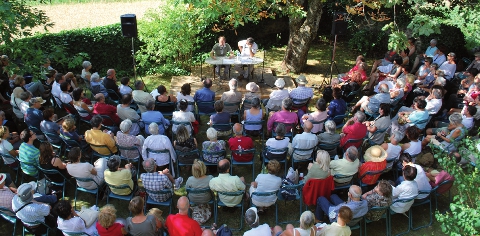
<point x="339" y="24"/>
<point x="129" y="25"/>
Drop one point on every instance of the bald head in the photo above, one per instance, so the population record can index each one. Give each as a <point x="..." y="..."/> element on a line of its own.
<point x="238" y="129"/>
<point x="110" y="73"/>
<point x="307" y="126"/>
<point x="223" y="166"/>
<point x="355" y="192"/>
<point x="183" y="205"/>
<point x="383" y="88"/>
<point x="207" y="232"/>
<point x="100" y="97"/>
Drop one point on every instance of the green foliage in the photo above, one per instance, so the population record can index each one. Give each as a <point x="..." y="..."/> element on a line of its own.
<point x="369" y="41"/>
<point x="464" y="216"/>
<point x="424" y="25"/>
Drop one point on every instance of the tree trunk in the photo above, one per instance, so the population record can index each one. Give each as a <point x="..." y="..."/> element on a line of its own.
<point x="302" y="32"/>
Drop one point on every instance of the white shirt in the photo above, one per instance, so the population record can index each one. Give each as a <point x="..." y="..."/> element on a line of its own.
<point x="467" y="121"/>
<point x="245" y="50"/>
<point x="16" y="102"/>
<point x="414" y="149"/>
<point x="261" y="230"/>
<point x="393" y="152"/>
<point x="65" y="97"/>
<point x="24" y="106"/>
<point x="277" y="144"/>
<point x="433" y="106"/>
<point x="159" y="142"/>
<point x="448" y="69"/>
<point x="5" y="148"/>
<point x="304" y="141"/>
<point x="189" y="98"/>
<point x="182" y="116"/>
<point x="279" y="94"/>
<point x="56" y="91"/>
<point x="266" y="183"/>
<point x="422" y="182"/>
<point x="143" y="97"/>
<point x="407" y="189"/>
<point x="124" y="89"/>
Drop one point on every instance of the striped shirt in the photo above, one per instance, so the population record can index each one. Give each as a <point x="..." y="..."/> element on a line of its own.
<point x="28" y="154"/>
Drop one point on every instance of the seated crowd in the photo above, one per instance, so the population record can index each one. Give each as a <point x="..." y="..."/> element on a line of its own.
<point x="129" y="125"/>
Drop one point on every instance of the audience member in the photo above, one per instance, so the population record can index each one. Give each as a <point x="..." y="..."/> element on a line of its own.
<point x="372" y="104"/>
<point x="86" y="170"/>
<point x="381" y="123"/>
<point x="158" y="142"/>
<point x="185" y="143"/>
<point x="65" y="96"/>
<point x="253" y="92"/>
<point x="199" y="180"/>
<point x="337" y="106"/>
<point x="97" y="85"/>
<point x="166" y="102"/>
<point x="68" y="131"/>
<point x="418" y="117"/>
<point x="449" y="135"/>
<point x="339" y="228"/>
<point x="414" y="147"/>
<point x="28" y="155"/>
<point x="449" y="67"/>
<point x="101" y="108"/>
<point x="6" y="146"/>
<point x="305" y="140"/>
<point x="277" y="143"/>
<point x="265" y="183"/>
<point x="358" y="206"/>
<point x="430" y="52"/>
<point x="69" y="221"/>
<point x="125" y="86"/>
<point x="301" y="93"/>
<point x="155" y="180"/>
<point x="33" y="115"/>
<point x="48" y="125"/>
<point x="108" y="224"/>
<point x="117" y="176"/>
<point x="227" y="183"/>
<point x="140" y="97"/>
<point x="254" y="114"/>
<point x="140" y="224"/>
<point x="320" y="169"/>
<point x="87" y="66"/>
<point x="125" y="139"/>
<point x="232" y="96"/>
<point x="274" y="103"/>
<point x="50" y="161"/>
<point x="6" y="193"/>
<point x="318" y="116"/>
<point x="157" y="213"/>
<point x="421" y="179"/>
<point x="212" y="145"/>
<point x="110" y="83"/>
<point x="353" y="129"/>
<point x="84" y="110"/>
<point x="205" y="95"/>
<point x="124" y="111"/>
<point x="240" y="143"/>
<point x="98" y="137"/>
<point x="153" y="116"/>
<point x="183" y="116"/>
<point x="393" y="148"/>
<point x="283" y="116"/>
<point x="329" y="137"/>
<point x="184" y="94"/>
<point x="180" y="224"/>
<point x="380" y="196"/>
<point x="407" y="189"/>
<point x="220" y="118"/>
<point x="375" y="160"/>
<point x="346" y="166"/>
<point x="252" y="220"/>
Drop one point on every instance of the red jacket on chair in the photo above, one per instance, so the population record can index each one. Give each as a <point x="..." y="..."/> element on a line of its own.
<point x="315" y="188"/>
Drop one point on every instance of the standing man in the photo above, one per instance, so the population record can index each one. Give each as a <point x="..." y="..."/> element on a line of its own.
<point x="221" y="49"/>
<point x="247" y="48"/>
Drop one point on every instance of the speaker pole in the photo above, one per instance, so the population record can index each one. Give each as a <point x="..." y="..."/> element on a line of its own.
<point x="332" y="63"/>
<point x="262" y="81"/>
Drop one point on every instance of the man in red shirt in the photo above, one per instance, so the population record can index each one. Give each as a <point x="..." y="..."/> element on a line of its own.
<point x="353" y="129"/>
<point x="180" y="224"/>
<point x="240" y="142"/>
<point x="101" y="108"/>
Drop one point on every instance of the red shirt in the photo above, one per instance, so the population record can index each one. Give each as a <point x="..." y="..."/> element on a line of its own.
<point x="114" y="230"/>
<point x="106" y="109"/>
<point x="355" y="131"/>
<point x="182" y="225"/>
<point x="371" y="166"/>
<point x="243" y="142"/>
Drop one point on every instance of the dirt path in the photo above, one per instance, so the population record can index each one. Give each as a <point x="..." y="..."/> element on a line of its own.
<point x="76" y="16"/>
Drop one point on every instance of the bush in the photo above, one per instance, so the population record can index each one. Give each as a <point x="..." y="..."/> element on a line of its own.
<point x="369" y="41"/>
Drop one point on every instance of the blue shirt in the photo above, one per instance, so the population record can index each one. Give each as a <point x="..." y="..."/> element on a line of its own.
<point x="376" y="100"/>
<point x="33" y="117"/>
<point x="157" y="117"/>
<point x="359" y="209"/>
<point x="337" y="107"/>
<point x="204" y="95"/>
<point x="53" y="128"/>
<point x="221" y="118"/>
<point x="418" y="116"/>
<point x="99" y="89"/>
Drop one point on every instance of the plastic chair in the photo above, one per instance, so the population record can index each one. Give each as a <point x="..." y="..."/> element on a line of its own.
<point x="270" y="150"/>
<point x="9" y="216"/>
<point x="441" y="189"/>
<point x="353" y="141"/>
<point x="357" y="224"/>
<point x="46" y="173"/>
<point x="161" y="151"/>
<point x="137" y="159"/>
<point x="368" y="173"/>
<point x="289" y="128"/>
<point x="25" y="230"/>
<point x="114" y="96"/>
<point x="345" y="185"/>
<point x="223" y="127"/>
<point x="329" y="147"/>
<point x="379" y="131"/>
<point x="339" y="120"/>
<point x="177" y="123"/>
<point x="266" y="194"/>
<point x="109" y="127"/>
<point x="76" y="114"/>
<point x="95" y="191"/>
<point x="200" y="105"/>
<point x="314" y="122"/>
<point x="127" y="197"/>
<point x="310" y="159"/>
<point x="70" y="143"/>
<point x="298" y="197"/>
<point x="299" y="103"/>
<point x="235" y="105"/>
<point x="419" y="202"/>
<point x="160" y="105"/>
<point x="385" y="216"/>
<point x="40" y="135"/>
<point x="58" y="145"/>
<point x="390" y="212"/>
<point x="167" y="203"/>
<point x="261" y="135"/>
<point x="30" y="165"/>
<point x="97" y="154"/>
<point x="190" y="153"/>
<point x="243" y="152"/>
<point x="201" y="191"/>
<point x="219" y="202"/>
<point x="8" y="156"/>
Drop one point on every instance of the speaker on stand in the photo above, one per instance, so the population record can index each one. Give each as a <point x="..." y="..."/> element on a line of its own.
<point x="339" y="27"/>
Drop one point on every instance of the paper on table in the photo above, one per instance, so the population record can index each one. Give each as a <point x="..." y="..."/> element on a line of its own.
<point x="229" y="61"/>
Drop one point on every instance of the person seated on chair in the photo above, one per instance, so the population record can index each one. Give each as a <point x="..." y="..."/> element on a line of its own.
<point x="48" y="125"/>
<point x="110" y="82"/>
<point x="125" y="87"/>
<point x="84" y="110"/>
<point x="165" y="98"/>
<point x="220" y="118"/>
<point x="97" y="85"/>
<point x="102" y="108"/>
<point x="387" y="60"/>
<point x="221" y="49"/>
<point x="353" y="129"/>
<point x="27" y="153"/>
<point x="418" y="117"/>
<point x="117" y="176"/>
<point x="300" y="93"/>
<point x="375" y="160"/>
<point x="382" y="122"/>
<point x="337" y="106"/>
<point x="153" y="116"/>
<point x="125" y="139"/>
<point x="50" y="161"/>
<point x="9" y="146"/>
<point x="393" y="148"/>
<point x="340" y="227"/>
<point x="79" y="169"/>
<point x="305" y="140"/>
<point x="205" y="95"/>
<point x="347" y="166"/>
<point x="254" y="114"/>
<point x="414" y="147"/>
<point x="227" y="183"/>
<point x="351" y="74"/>
<point x="32" y="214"/>
<point x="213" y="145"/>
<point x="274" y="103"/>
<point x="108" y="223"/>
<point x="320" y="169"/>
<point x="239" y="143"/>
<point x="380" y="196"/>
<point x="199" y="180"/>
<point x="184" y="94"/>
<point x="319" y="115"/>
<point x="253" y="221"/>
<point x="253" y="92"/>
<point x="422" y="180"/>
<point x="371" y="104"/>
<point x="283" y="116"/>
<point x="331" y="208"/>
<point x="407" y="189"/>
<point x="157" y="141"/>
<point x="180" y="223"/>
<point x="232" y="96"/>
<point x="69" y="221"/>
<point x="329" y="137"/>
<point x="307" y="226"/>
<point x="447" y="136"/>
<point x="278" y="142"/>
<point x="34" y="116"/>
<point x="183" y="116"/>
<point x="155" y="180"/>
<point x="247" y="48"/>
<point x="96" y="136"/>
<point x="87" y="66"/>
<point x="68" y="131"/>
<point x="56" y="90"/>
<point x="7" y="192"/>
<point x="185" y="143"/>
<point x="141" y="96"/>
<point x="65" y="96"/>
<point x="266" y="183"/>
<point x="124" y="111"/>
<point x="140" y="223"/>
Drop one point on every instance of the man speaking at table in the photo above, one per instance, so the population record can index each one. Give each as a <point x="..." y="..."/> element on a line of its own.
<point x="247" y="48"/>
<point x="221" y="49"/>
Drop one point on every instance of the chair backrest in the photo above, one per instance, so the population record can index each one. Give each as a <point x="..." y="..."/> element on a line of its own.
<point x="123" y="186"/>
<point x="51" y="172"/>
<point x="157" y="192"/>
<point x="161" y="151"/>
<point x="233" y="194"/>
<point x="87" y="180"/>
<point x="53" y="138"/>
<point x="289" y="127"/>
<point x="444" y="186"/>
<point x="372" y="174"/>
<point x="245" y="152"/>
<point x="70" y="109"/>
<point x="328" y="146"/>
<point x="201" y="106"/>
<point x="8" y="156"/>
<point x="219" y="154"/>
<point x="114" y="95"/>
<point x="315" y="188"/>
<point x="235" y="105"/>
<point x="265" y="194"/>
<point x="109" y="119"/>
<point x="222" y="127"/>
<point x="355" y="142"/>
<point x="132" y="148"/>
<point x="8" y="215"/>
<point x="298" y="103"/>
<point x="171" y="105"/>
<point x="198" y="191"/>
<point x="315" y="122"/>
<point x="102" y="146"/>
<point x="70" y="142"/>
<point x="340" y="177"/>
<point x="339" y="119"/>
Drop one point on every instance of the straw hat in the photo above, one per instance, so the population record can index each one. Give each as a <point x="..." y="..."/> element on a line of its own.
<point x="375" y="154"/>
<point x="252" y="87"/>
<point x="280" y="83"/>
<point x="302" y="79"/>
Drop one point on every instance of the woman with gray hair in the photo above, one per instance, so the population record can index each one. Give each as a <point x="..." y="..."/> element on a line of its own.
<point x="447" y="136"/>
<point x="278" y="142"/>
<point x="255" y="113"/>
<point x="159" y="142"/>
<point x="212" y="145"/>
<point x="97" y="85"/>
<point x="125" y="139"/>
<point x="307" y="223"/>
<point x="329" y="137"/>
<point x="86" y="75"/>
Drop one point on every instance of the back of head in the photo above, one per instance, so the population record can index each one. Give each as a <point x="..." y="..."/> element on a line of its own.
<point x="218" y="105"/>
<point x="405" y="157"/>
<point x="95" y="77"/>
<point x="125" y="80"/>
<point x="150" y="105"/>
<point x="384" y="88"/>
<point x="211" y="133"/>
<point x="409" y="172"/>
<point x="273" y="167"/>
<point x="198" y="168"/>
<point x="307" y="220"/>
<point x="86" y="64"/>
<point x="186" y="89"/>
<point x="321" y="104"/>
<point x="25" y="135"/>
<point x="455" y="118"/>
<point x="207" y="83"/>
<point x="421" y="104"/>
<point x="138" y="85"/>
<point x="398" y="135"/>
<point x="287" y="103"/>
<point x="352" y="153"/>
<point x="360" y="116"/>
<point x="223" y="166"/>
<point x="280" y="130"/>
<point x="136" y="205"/>
<point x="149" y="165"/>
<point x="251" y="217"/>
<point x="250" y="40"/>
<point x="337" y="93"/>
<point x="256" y="102"/>
<point x="345" y="213"/>
<point x="238" y="129"/>
<point x="385" y="188"/>
<point x="183" y="105"/>
<point x="107" y="216"/>
<point x="126" y="99"/>
<point x="355" y="191"/>
<point x="233" y="84"/>
<point x="330" y="126"/>
<point x="63" y="209"/>
<point x="58" y="77"/>
<point x="412" y="132"/>
<point x="153" y="128"/>
<point x="113" y="163"/>
<point x="96" y="121"/>
<point x="74" y="154"/>
<point x="183" y="204"/>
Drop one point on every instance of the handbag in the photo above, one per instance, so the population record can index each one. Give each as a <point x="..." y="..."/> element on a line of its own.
<point x="43" y="186"/>
<point x="88" y="215"/>
<point x="201" y="213"/>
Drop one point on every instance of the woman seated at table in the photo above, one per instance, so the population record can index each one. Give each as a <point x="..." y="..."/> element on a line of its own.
<point x="266" y="183"/>
<point x="320" y="169"/>
<point x="255" y="113"/>
<point x="165" y="98"/>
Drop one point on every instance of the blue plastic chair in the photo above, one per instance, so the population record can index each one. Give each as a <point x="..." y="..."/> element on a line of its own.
<point x="315" y="122"/>
<point x="127" y="197"/>
<point x="419" y="202"/>
<point x="270" y="150"/>
<point x="137" y="159"/>
<point x="167" y="203"/>
<point x="201" y="191"/>
<point x="236" y="105"/>
<point x="199" y="105"/>
<point x="219" y="202"/>
<point x="345" y="185"/>
<point x="266" y="194"/>
<point x="261" y="135"/>
<point x="9" y="216"/>
<point x="95" y="191"/>
<point x="162" y="151"/>
<point x="8" y="156"/>
<point x="222" y="153"/>
<point x="339" y="120"/>
<point x="75" y="233"/>
<point x="298" y="197"/>
<point x="390" y="212"/>
<point x="25" y="230"/>
<point x="190" y="153"/>
<point x="224" y="128"/>
<point x="46" y="173"/>
<point x="328" y="147"/>
<point x="385" y="216"/>
<point x="289" y="128"/>
<point x="310" y="159"/>
<point x="160" y="105"/>
<point x="243" y="152"/>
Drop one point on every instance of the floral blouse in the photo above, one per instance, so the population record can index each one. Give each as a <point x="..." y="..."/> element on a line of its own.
<point x="128" y="140"/>
<point x="210" y="146"/>
<point x="376" y="200"/>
